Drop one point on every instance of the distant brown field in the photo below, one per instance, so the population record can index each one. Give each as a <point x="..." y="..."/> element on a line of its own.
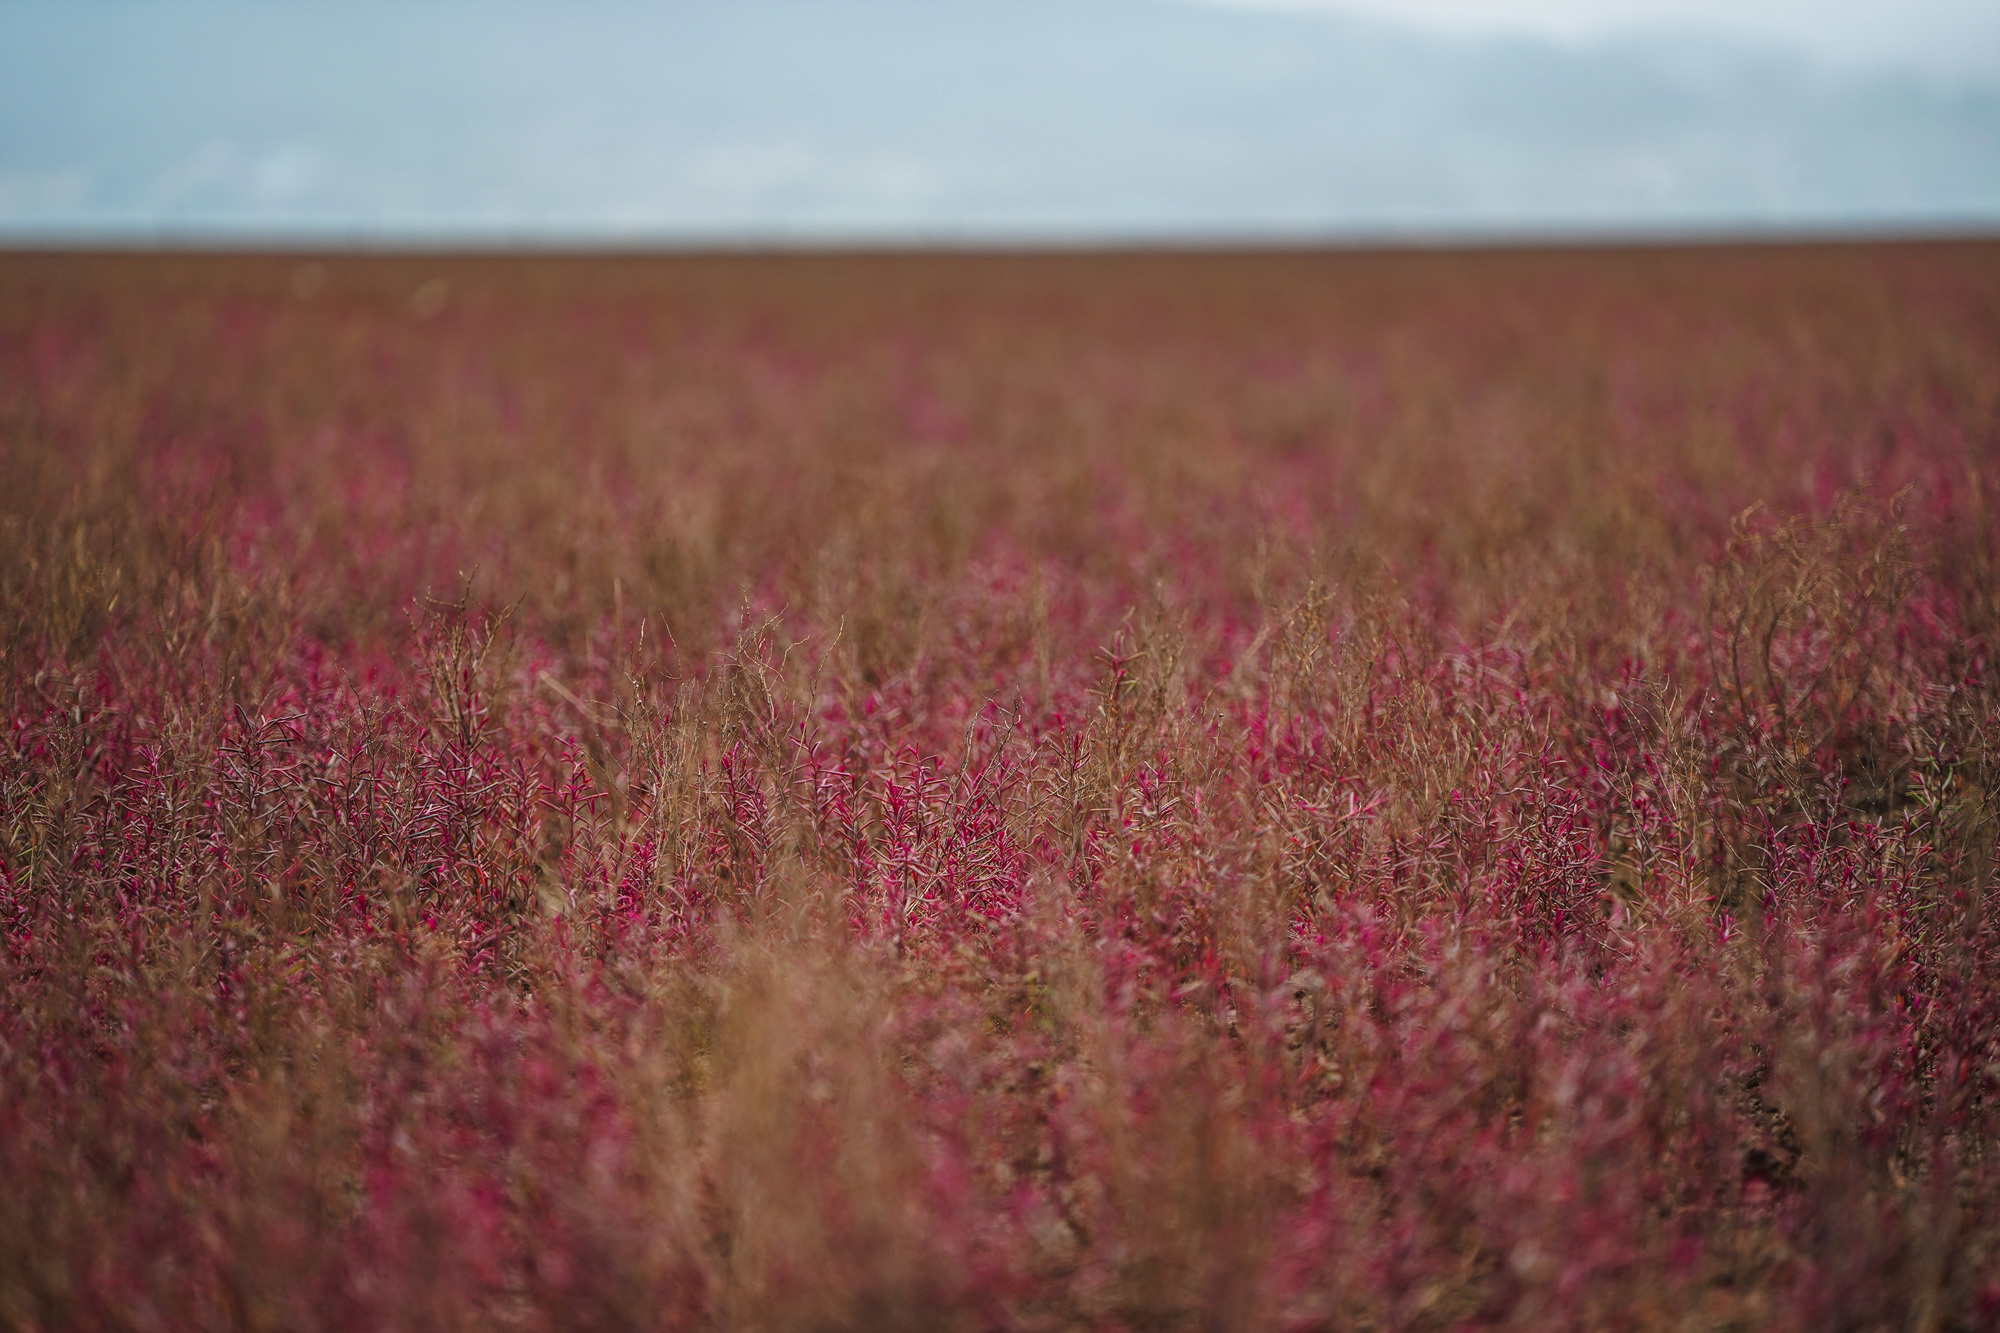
<point x="1124" y="791"/>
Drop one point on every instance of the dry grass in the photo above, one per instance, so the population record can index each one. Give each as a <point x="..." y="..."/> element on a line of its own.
<point x="1147" y="792"/>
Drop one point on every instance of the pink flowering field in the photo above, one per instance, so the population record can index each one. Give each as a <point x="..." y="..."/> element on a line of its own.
<point x="1426" y="790"/>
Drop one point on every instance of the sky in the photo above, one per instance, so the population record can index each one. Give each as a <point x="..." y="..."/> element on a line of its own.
<point x="1935" y="36"/>
<point x="943" y="121"/>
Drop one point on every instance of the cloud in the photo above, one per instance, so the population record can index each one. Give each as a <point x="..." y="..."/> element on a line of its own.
<point x="1951" y="38"/>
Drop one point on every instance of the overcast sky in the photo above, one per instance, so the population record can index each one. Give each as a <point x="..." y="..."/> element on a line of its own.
<point x="924" y="120"/>
<point x="1936" y="36"/>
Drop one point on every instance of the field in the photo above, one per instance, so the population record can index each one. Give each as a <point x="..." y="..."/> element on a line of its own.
<point x="1126" y="792"/>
